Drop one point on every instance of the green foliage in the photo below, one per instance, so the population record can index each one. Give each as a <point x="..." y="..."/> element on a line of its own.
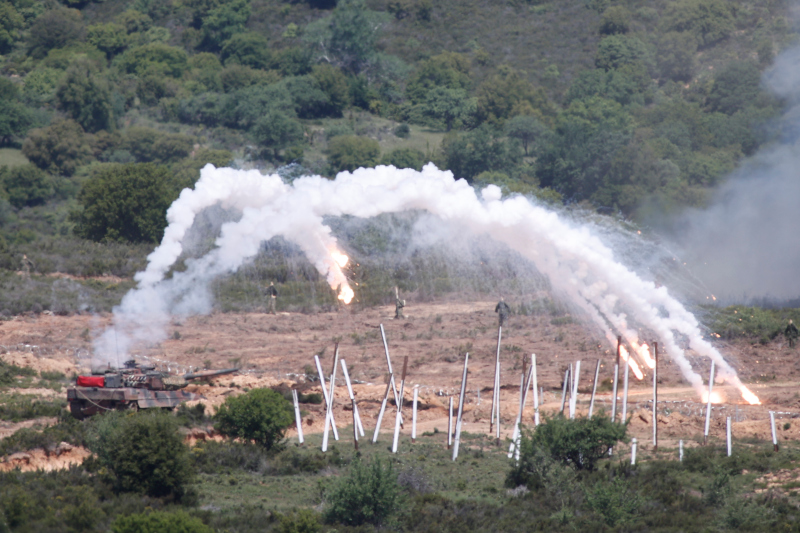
<point x="615" y="51"/>
<point x="333" y="83"/>
<point x="26" y="185"/>
<point x="347" y="37"/>
<point x="59" y="148"/>
<point x="11" y="22"/>
<point x="740" y="321"/>
<point x="125" y="203"/>
<point x="300" y="521"/>
<point x="675" y="55"/>
<point x="85" y="96"/>
<point x="148" y="145"/>
<point x="111" y="37"/>
<point x="143" y="453"/>
<point x="40" y="86"/>
<point x="15" y="118"/>
<point x="616" y="502"/>
<point x="404" y="158"/>
<point x="367" y="494"/>
<point x="134" y="21"/>
<point x="276" y="131"/>
<point x="448" y="70"/>
<point x="480" y="150"/>
<point x="55" y="28"/>
<point x="349" y="152"/>
<point x="158" y="58"/>
<point x="224" y="21"/>
<point x="616" y="19"/>
<point x="735" y="87"/>
<point x="27" y="407"/>
<point x="452" y="106"/>
<point x="159" y="522"/>
<point x="579" y="443"/>
<point x="248" y="49"/>
<point x="260" y="415"/>
<point x="507" y="94"/>
<point x="708" y="20"/>
<point x="527" y="129"/>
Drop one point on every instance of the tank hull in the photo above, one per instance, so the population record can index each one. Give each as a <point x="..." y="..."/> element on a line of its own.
<point x="87" y="401"/>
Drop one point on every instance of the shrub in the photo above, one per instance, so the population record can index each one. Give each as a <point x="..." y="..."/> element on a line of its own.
<point x="404" y="158"/>
<point x="349" y="152"/>
<point x="142" y="452"/>
<point x="614" y="501"/>
<point x="580" y="442"/>
<point x="159" y="522"/>
<point x="299" y="521"/>
<point x="367" y="494"/>
<point x="60" y="148"/>
<point x="27" y="185"/>
<point x="261" y="415"/>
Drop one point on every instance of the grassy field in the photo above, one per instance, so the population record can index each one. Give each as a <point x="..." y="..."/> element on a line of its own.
<point x="11" y="157"/>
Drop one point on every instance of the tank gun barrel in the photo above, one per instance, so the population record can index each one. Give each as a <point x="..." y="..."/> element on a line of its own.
<point x="210" y="373"/>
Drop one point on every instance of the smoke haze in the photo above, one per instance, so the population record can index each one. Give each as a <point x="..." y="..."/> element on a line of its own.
<point x="746" y="245"/>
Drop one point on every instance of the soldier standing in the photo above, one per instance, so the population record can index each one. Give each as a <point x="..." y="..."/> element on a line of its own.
<point x="398" y="304"/>
<point x="791" y="333"/>
<point x="27" y="264"/>
<point x="272" y="292"/>
<point x="502" y="310"/>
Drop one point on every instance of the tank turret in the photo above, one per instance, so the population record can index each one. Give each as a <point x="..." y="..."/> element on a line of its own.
<point x="133" y="387"/>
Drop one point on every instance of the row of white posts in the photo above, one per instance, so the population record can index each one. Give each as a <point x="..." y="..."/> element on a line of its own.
<point x="528" y="382"/>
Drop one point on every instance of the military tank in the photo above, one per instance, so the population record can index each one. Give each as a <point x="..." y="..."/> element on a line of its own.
<point x="133" y="387"/>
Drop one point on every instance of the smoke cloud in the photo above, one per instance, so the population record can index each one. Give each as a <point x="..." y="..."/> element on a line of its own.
<point x="571" y="255"/>
<point x="745" y="245"/>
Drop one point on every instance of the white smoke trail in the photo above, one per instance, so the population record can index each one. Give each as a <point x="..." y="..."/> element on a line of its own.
<point x="575" y="260"/>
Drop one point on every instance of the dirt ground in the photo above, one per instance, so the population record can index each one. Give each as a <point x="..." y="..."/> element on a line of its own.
<point x="272" y="349"/>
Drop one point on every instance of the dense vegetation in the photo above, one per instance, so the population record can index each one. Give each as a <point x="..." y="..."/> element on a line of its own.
<point x="109" y="108"/>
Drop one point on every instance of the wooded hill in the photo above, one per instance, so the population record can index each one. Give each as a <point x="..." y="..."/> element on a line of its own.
<point x="632" y="107"/>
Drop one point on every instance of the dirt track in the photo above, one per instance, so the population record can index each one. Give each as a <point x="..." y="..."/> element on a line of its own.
<point x="278" y="348"/>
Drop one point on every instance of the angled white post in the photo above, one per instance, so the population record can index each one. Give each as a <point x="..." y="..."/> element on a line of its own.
<point x="461" y="407"/>
<point x="297" y="418"/>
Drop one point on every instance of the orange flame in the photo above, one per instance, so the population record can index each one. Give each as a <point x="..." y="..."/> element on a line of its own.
<point x="748" y="396"/>
<point x="340" y="258"/>
<point x="716" y="397"/>
<point x="336" y="277"/>
<point x="644" y="353"/>
<point x="634" y="367"/>
<point x="346" y="294"/>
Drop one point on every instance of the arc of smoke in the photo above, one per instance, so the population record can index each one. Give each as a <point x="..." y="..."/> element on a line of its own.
<point x="575" y="260"/>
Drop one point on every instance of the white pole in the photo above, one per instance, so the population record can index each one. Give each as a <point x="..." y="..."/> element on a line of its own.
<point x="380" y="413"/>
<point x="450" y="425"/>
<point x="461" y="407"/>
<point x="396" y="431"/>
<point x="414" y="415"/>
<point x="708" y="406"/>
<point x="325" y="396"/>
<point x="565" y="388"/>
<point x="352" y="400"/>
<point x="535" y="392"/>
<point x="680" y="450"/>
<point x="774" y="434"/>
<point x="616" y="383"/>
<point x="329" y="417"/>
<point x="515" y="433"/>
<point x="495" y="418"/>
<point x="399" y="418"/>
<point x="729" y="435"/>
<point x="655" y="397"/>
<point x="633" y="451"/>
<point x="625" y="392"/>
<point x="594" y="388"/>
<point x="389" y="363"/>
<point x="573" y="398"/>
<point x="298" y="418"/>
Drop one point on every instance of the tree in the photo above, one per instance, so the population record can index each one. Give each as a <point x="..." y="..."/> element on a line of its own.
<point x="125" y="202"/>
<point x="111" y="38"/>
<point x="15" y="118"/>
<point x="159" y="522"/>
<point x="368" y="494"/>
<point x="26" y="185"/>
<point x="223" y="22"/>
<point x="333" y="83"/>
<point x="449" y="105"/>
<point x="616" y="19"/>
<point x="709" y="21"/>
<point x="449" y="70"/>
<point x="404" y="158"/>
<point x="142" y="452"/>
<point x="134" y="21"/>
<point x="526" y="128"/>
<point x="615" y="51"/>
<point x="735" y="87"/>
<point x="154" y="57"/>
<point x="55" y="28"/>
<point x="59" y="148"/>
<point x="249" y="49"/>
<point x="309" y="100"/>
<point x="349" y="152"/>
<point x="11" y="22"/>
<point x="508" y="93"/>
<point x="86" y="98"/>
<point x="480" y="150"/>
<point x="675" y="55"/>
<point x="347" y="37"/>
<point x="276" y="131"/>
<point x="260" y="415"/>
<point x="579" y="443"/>
<point x="149" y="145"/>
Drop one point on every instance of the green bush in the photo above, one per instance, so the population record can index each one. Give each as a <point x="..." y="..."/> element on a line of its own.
<point x="299" y="521"/>
<point x="142" y="452"/>
<point x="614" y="501"/>
<point x="580" y="442"/>
<point x="367" y="494"/>
<point x="349" y="152"/>
<point x="260" y="415"/>
<point x="404" y="158"/>
<point x="26" y="185"/>
<point x="160" y="522"/>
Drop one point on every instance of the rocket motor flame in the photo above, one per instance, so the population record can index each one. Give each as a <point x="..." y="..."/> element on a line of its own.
<point x="644" y="353"/>
<point x="748" y="396"/>
<point x="336" y="277"/>
<point x="634" y="367"/>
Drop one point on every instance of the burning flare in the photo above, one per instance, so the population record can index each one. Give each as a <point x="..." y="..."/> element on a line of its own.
<point x="748" y="396"/>
<point x="644" y="353"/>
<point x="716" y="397"/>
<point x="625" y="357"/>
<point x="336" y="277"/>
